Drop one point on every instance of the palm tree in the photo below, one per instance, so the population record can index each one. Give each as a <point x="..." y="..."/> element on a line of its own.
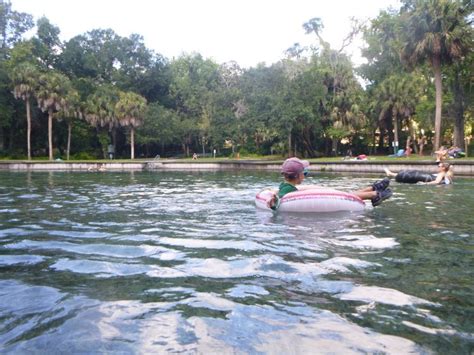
<point x="130" y="110"/>
<point x="100" y="107"/>
<point x="24" y="78"/>
<point x="71" y="110"/>
<point x="99" y="111"/>
<point x="398" y="95"/>
<point x="53" y="89"/>
<point x="435" y="31"/>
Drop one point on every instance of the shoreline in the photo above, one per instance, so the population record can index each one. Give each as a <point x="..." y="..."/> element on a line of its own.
<point x="462" y="168"/>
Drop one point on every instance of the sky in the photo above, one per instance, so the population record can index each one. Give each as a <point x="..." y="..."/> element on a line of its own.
<point x="246" y="31"/>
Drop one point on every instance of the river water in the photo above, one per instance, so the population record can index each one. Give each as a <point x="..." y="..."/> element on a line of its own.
<point x="158" y="262"/>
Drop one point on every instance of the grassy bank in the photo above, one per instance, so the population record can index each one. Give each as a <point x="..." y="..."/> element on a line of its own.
<point x="272" y="158"/>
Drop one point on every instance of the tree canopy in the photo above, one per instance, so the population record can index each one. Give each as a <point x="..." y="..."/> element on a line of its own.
<point x="417" y="80"/>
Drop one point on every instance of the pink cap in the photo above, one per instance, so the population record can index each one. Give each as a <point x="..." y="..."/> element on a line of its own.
<point x="294" y="166"/>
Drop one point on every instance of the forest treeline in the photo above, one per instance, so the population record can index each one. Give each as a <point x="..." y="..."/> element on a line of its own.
<point x="78" y="98"/>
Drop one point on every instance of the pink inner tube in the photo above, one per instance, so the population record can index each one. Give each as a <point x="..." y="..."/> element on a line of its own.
<point x="317" y="200"/>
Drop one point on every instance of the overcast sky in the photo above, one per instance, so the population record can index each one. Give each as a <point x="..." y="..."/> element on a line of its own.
<point x="247" y="31"/>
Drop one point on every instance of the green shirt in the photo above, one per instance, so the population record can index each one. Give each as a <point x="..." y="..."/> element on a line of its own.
<point x="286" y="188"/>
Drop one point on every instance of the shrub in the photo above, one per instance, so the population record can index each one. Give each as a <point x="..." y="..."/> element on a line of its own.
<point x="83" y="156"/>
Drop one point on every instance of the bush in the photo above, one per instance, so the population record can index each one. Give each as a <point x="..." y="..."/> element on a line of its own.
<point x="470" y="150"/>
<point x="83" y="156"/>
<point x="18" y="155"/>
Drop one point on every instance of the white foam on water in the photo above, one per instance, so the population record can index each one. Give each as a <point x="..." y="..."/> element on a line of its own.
<point x="381" y="295"/>
<point x="8" y="260"/>
<point x="341" y="264"/>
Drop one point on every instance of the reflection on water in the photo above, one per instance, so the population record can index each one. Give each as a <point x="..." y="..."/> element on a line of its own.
<point x="183" y="262"/>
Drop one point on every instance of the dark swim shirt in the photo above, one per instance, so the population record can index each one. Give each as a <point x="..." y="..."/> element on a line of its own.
<point x="286" y="188"/>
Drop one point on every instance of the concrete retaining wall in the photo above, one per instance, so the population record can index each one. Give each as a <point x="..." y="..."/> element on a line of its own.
<point x="461" y="168"/>
<point x="66" y="166"/>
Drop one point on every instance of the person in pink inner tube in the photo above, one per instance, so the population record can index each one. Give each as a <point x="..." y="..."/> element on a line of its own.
<point x="294" y="171"/>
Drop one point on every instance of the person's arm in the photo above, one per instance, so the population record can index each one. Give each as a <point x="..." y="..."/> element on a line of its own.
<point x="274" y="201"/>
<point x="439" y="178"/>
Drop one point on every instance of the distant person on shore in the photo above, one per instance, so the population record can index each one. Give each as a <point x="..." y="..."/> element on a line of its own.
<point x="294" y="171"/>
<point x="348" y="154"/>
<point x="408" y="149"/>
<point x="441" y="154"/>
<point x="111" y="151"/>
<point x="421" y="144"/>
<point x="195" y="156"/>
<point x="444" y="153"/>
<point x="455" y="152"/>
<point x="444" y="176"/>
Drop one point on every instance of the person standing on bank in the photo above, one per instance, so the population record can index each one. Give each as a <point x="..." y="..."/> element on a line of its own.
<point x="111" y="151"/>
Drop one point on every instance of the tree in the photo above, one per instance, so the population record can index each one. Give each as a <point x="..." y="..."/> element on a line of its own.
<point x="71" y="110"/>
<point x="339" y="111"/>
<point x="93" y="54"/>
<point x="195" y="81"/>
<point x="47" y="43"/>
<point x="24" y="78"/>
<point x="13" y="25"/>
<point x="460" y="78"/>
<point x="398" y="96"/>
<point x="160" y="125"/>
<point x="52" y="93"/>
<point x="130" y="111"/>
<point x="99" y="111"/>
<point x="383" y="49"/>
<point x="259" y="113"/>
<point x="435" y="31"/>
<point x="100" y="107"/>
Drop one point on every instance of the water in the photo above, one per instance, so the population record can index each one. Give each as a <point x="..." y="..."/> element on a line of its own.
<point x="158" y="262"/>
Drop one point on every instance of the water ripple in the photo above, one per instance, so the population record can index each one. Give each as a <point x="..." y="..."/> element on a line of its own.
<point x="165" y="262"/>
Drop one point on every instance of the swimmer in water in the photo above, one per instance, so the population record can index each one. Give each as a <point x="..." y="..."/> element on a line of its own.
<point x="294" y="172"/>
<point x="444" y="176"/>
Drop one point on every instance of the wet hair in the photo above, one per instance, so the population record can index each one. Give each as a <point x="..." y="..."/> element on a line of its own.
<point x="290" y="176"/>
<point x="445" y="166"/>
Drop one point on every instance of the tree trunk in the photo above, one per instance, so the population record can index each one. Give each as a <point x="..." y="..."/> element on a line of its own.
<point x="2" y="138"/>
<point x="374" y="142"/>
<point x="69" y="130"/>
<point x="132" y="143"/>
<point x="381" y="139"/>
<point x="458" y="112"/>
<point x="50" y="133"/>
<point x="395" y="131"/>
<point x="327" y="146"/>
<point x="28" y="125"/>
<point x="289" y="144"/>
<point x="436" y="62"/>
<point x="12" y="129"/>
<point x="334" y="147"/>
<point x="114" y="139"/>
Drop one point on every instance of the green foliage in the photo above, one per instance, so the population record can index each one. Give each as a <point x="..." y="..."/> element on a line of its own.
<point x="47" y="43"/>
<point x="130" y="109"/>
<point x="52" y="91"/>
<point x="13" y="25"/>
<point x="102" y="87"/>
<point x="83" y="156"/>
<point x="160" y="125"/>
